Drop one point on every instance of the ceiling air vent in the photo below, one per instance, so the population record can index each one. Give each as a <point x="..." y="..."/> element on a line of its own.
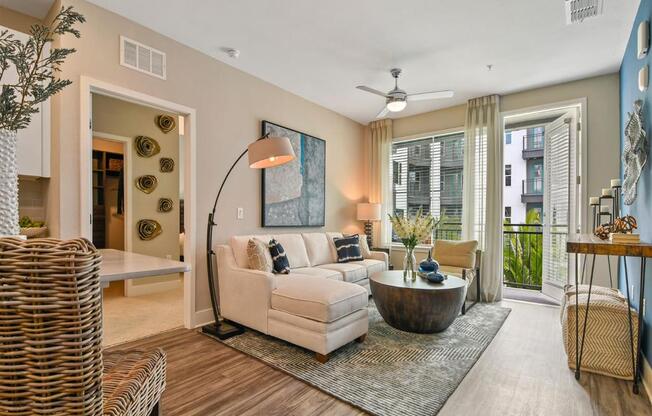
<point x="578" y="10"/>
<point x="142" y="58"/>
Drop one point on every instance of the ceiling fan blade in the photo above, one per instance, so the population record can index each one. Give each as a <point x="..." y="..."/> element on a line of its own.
<point x="371" y="90"/>
<point x="433" y="95"/>
<point x="382" y="112"/>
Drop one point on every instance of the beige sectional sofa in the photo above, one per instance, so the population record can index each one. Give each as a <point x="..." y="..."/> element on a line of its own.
<point x="321" y="305"/>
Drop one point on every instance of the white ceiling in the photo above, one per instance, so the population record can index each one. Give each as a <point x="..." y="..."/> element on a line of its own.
<point x="35" y="8"/>
<point x="321" y="50"/>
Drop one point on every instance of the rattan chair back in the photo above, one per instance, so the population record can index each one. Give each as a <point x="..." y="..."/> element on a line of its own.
<point x="50" y="327"/>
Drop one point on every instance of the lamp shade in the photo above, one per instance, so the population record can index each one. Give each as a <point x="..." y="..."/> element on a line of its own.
<point x="368" y="212"/>
<point x="270" y="152"/>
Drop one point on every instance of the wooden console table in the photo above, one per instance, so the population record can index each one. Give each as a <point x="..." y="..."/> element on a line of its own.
<point x="588" y="244"/>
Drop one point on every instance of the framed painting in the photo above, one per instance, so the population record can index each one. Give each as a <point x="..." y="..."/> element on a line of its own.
<point x="294" y="194"/>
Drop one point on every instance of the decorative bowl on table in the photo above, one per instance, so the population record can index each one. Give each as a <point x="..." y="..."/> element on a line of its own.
<point x="433" y="277"/>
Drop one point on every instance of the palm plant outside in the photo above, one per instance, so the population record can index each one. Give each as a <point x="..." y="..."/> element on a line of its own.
<point x="523" y="252"/>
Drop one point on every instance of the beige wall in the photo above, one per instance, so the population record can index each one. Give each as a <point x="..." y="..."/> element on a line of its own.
<point x="129" y="120"/>
<point x="230" y="106"/>
<point x="16" y="21"/>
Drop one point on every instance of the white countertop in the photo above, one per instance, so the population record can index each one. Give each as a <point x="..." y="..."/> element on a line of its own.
<point x="123" y="265"/>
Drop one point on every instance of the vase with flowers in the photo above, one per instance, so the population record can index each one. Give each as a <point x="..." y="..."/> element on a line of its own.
<point x="412" y="231"/>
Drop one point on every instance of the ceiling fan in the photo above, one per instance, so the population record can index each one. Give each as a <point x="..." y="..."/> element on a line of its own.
<point x="396" y="99"/>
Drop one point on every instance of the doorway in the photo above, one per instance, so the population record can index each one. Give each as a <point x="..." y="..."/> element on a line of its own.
<point x="89" y="86"/>
<point x="541" y="194"/>
<point x="146" y="306"/>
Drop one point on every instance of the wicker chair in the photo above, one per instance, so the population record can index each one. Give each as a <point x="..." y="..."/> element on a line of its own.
<point x="51" y="360"/>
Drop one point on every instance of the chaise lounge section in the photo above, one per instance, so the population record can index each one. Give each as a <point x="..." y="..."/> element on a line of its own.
<point x="320" y="305"/>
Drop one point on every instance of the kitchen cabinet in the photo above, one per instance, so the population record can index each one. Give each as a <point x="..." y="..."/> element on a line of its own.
<point x="33" y="154"/>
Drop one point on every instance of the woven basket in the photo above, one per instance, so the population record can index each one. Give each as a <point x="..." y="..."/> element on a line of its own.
<point x="50" y="328"/>
<point x="607" y="349"/>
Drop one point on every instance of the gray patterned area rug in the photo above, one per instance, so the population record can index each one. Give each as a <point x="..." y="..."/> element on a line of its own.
<point x="392" y="372"/>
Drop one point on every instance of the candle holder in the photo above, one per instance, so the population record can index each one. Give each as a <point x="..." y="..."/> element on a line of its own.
<point x="595" y="213"/>
<point x="607" y="214"/>
<point x="611" y="214"/>
<point x="616" y="201"/>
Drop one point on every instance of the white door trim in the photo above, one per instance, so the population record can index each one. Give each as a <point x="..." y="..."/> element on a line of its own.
<point x="89" y="86"/>
<point x="582" y="149"/>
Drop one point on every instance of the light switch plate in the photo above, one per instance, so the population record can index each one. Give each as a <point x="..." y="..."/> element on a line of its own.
<point x="240" y="214"/>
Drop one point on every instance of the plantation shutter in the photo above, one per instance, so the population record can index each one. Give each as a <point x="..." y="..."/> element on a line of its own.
<point x="559" y="200"/>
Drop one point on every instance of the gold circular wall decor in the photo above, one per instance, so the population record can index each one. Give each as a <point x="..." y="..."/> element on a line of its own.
<point x="146" y="146"/>
<point x="166" y="164"/>
<point x="165" y="123"/>
<point x="146" y="183"/>
<point x="165" y="205"/>
<point x="148" y="229"/>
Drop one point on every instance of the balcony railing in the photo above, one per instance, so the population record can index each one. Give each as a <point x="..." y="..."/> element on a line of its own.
<point x="523" y="255"/>
<point x="533" y="142"/>
<point x="533" y="186"/>
<point x="533" y="146"/>
<point x="449" y="231"/>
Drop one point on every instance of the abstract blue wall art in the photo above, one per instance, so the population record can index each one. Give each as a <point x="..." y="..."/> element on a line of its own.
<point x="294" y="194"/>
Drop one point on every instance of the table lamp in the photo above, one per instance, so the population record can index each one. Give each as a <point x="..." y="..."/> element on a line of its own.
<point x="368" y="212"/>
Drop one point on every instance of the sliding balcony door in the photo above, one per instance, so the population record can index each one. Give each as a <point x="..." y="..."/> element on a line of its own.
<point x="560" y="212"/>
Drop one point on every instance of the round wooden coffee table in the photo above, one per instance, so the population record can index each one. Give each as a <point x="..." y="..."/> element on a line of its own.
<point x="418" y="306"/>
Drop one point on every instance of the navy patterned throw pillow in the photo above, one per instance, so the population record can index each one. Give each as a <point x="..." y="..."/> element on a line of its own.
<point x="348" y="248"/>
<point x="279" y="258"/>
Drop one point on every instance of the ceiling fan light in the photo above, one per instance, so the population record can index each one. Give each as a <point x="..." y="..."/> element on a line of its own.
<point x="396" y="106"/>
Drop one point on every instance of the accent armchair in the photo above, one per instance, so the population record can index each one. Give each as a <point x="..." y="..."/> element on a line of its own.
<point x="51" y="359"/>
<point x="461" y="259"/>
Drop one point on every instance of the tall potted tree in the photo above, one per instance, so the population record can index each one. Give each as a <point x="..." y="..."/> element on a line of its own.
<point x="19" y="99"/>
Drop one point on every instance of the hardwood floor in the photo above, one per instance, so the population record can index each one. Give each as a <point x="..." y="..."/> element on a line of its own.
<point x="522" y="372"/>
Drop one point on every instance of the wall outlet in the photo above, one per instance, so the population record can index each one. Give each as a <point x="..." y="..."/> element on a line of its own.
<point x="240" y="215"/>
<point x="168" y="256"/>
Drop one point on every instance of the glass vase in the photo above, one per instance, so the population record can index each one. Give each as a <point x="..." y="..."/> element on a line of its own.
<point x="409" y="265"/>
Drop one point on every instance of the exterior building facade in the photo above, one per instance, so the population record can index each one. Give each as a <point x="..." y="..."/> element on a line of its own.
<point x="523" y="173"/>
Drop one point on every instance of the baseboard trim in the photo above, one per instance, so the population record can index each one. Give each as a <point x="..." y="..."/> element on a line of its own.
<point x="647" y="378"/>
<point x="151" y="288"/>
<point x="203" y="317"/>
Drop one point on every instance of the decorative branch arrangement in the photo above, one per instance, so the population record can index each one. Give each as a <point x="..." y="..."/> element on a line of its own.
<point x="36" y="70"/>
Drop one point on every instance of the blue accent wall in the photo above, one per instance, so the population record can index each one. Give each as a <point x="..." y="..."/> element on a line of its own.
<point x="642" y="207"/>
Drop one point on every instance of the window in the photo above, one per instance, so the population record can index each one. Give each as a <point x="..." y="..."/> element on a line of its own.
<point x="508" y="215"/>
<point x="396" y="172"/>
<point x="508" y="138"/>
<point x="508" y="175"/>
<point x="433" y="178"/>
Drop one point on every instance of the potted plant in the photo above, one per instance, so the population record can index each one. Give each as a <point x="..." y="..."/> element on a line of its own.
<point x="36" y="82"/>
<point x="412" y="231"/>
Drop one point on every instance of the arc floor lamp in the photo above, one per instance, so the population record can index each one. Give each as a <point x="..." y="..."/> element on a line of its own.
<point x="266" y="152"/>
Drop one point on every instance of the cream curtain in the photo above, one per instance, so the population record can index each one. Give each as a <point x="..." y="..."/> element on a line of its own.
<point x="482" y="214"/>
<point x="380" y="133"/>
